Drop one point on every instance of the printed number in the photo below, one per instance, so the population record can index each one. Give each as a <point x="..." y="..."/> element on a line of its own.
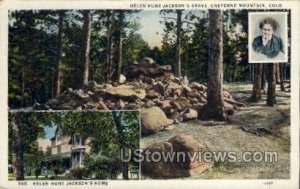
<point x="22" y="183"/>
<point x="268" y="182"/>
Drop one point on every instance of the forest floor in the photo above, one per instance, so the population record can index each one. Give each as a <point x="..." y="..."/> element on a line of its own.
<point x="256" y="128"/>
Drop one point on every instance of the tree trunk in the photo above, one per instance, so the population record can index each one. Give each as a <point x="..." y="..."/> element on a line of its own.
<point x="284" y="72"/>
<point x="87" y="27"/>
<point x="120" y="55"/>
<point x="59" y="55"/>
<point x="178" y="43"/>
<point x="214" y="109"/>
<point x="249" y="73"/>
<point x="256" y="90"/>
<point x="263" y="78"/>
<point x="117" y="117"/>
<point x="23" y="85"/>
<point x="108" y="46"/>
<point x="282" y="88"/>
<point x="277" y="73"/>
<point x="253" y="73"/>
<point x="271" y="99"/>
<point x="17" y="149"/>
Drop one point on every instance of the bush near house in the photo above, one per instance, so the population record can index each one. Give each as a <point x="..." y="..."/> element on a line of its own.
<point x="79" y="173"/>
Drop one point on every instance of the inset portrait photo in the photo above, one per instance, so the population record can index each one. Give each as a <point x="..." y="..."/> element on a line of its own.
<point x="268" y="37"/>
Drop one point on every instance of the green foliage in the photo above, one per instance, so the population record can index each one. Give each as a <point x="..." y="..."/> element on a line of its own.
<point x="103" y="161"/>
<point x="33" y="48"/>
<point x="57" y="170"/>
<point x="104" y="165"/>
<point x="31" y="52"/>
<point x="196" y="68"/>
<point x="33" y="160"/>
<point x="104" y="158"/>
<point x="33" y="44"/>
<point x="236" y="64"/>
<point x="196" y="44"/>
<point x="136" y="49"/>
<point x="79" y="173"/>
<point x="31" y="126"/>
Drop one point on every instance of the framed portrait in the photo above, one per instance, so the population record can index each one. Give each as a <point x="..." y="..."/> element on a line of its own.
<point x="268" y="37"/>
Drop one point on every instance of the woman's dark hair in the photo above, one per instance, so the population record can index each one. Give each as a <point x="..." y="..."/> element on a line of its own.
<point x="270" y="21"/>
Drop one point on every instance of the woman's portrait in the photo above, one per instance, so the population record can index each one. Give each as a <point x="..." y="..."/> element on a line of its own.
<point x="268" y="37"/>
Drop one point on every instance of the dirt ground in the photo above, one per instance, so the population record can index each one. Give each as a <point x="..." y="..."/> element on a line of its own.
<point x="253" y="128"/>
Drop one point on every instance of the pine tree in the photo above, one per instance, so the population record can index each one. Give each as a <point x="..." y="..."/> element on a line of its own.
<point x="214" y="109"/>
<point x="86" y="45"/>
<point x="57" y="87"/>
<point x="256" y="91"/>
<point x="271" y="77"/>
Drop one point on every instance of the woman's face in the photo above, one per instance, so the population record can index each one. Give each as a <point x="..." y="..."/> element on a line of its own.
<point x="267" y="31"/>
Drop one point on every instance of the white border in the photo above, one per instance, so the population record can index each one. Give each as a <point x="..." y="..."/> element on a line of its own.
<point x="250" y="37"/>
<point x="292" y="183"/>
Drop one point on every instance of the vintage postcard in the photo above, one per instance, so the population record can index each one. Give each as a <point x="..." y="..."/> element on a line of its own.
<point x="149" y="94"/>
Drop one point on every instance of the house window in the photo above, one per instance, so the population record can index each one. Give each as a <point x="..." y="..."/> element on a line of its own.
<point x="77" y="140"/>
<point x="58" y="136"/>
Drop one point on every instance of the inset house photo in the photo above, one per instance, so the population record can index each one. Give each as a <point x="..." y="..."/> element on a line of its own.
<point x="268" y="34"/>
<point x="72" y="145"/>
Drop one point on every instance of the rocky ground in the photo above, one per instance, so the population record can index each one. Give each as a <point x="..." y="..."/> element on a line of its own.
<point x="170" y="108"/>
<point x="255" y="127"/>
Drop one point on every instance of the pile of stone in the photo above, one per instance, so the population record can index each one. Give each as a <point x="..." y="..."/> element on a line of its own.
<point x="143" y="86"/>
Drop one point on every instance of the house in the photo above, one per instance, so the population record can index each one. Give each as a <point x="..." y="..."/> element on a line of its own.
<point x="43" y="144"/>
<point x="67" y="152"/>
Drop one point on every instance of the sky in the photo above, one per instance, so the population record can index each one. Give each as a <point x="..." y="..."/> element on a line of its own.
<point x="49" y="132"/>
<point x="152" y="29"/>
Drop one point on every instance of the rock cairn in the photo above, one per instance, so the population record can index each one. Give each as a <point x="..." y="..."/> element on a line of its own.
<point x="143" y="86"/>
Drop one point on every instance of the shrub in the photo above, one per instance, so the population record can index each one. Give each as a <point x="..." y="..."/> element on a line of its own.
<point x="103" y="167"/>
<point x="79" y="173"/>
<point x="57" y="170"/>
